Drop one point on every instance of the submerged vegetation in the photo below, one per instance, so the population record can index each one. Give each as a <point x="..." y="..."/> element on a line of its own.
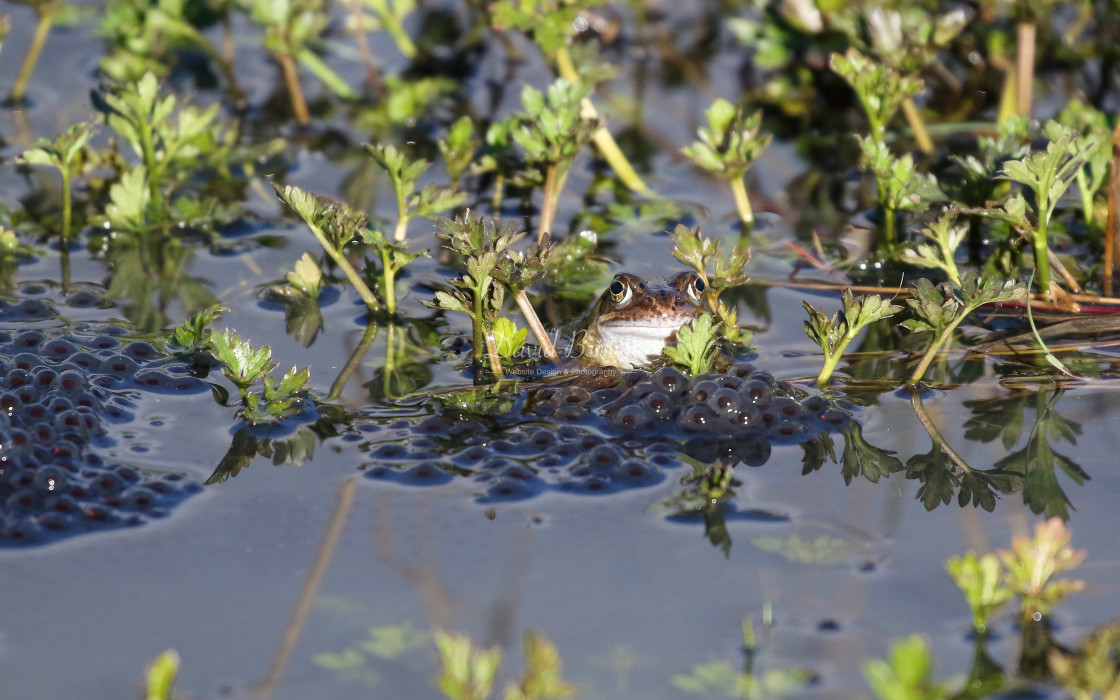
<point x="450" y="198"/>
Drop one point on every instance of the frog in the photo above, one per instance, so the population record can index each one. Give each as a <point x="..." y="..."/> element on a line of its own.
<point x="635" y="318"/>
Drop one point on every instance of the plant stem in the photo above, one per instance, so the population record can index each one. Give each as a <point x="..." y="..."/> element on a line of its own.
<point x="351" y="274"/>
<point x="889" y="224"/>
<point x="401" y="230"/>
<point x="832" y="357"/>
<point x="373" y="77"/>
<point x="548" y="207"/>
<point x="144" y="130"/>
<point x="493" y="357"/>
<point x="1025" y="66"/>
<point x="353" y="361"/>
<point x="934" y="433"/>
<point x="918" y="125"/>
<point x="309" y="60"/>
<point x="1041" y="259"/>
<point x="936" y="345"/>
<point x="606" y="144"/>
<point x="530" y="315"/>
<point x="1112" y="228"/>
<point x="295" y="93"/>
<point x="388" y="275"/>
<point x="478" y="324"/>
<point x="66" y="214"/>
<point x="42" y="29"/>
<point x="742" y="201"/>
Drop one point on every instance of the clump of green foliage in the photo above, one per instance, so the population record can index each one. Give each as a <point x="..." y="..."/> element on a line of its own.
<point x="836" y="333"/>
<point x="469" y="672"/>
<point x="940" y="311"/>
<point x="718" y="271"/>
<point x="697" y="345"/>
<point x="476" y="293"/>
<point x="728" y="147"/>
<point x="65" y="154"/>
<point x="247" y="367"/>
<point x="882" y="90"/>
<point x="173" y="144"/>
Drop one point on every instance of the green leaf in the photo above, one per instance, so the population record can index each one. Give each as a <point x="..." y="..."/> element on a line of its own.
<point x="696" y="345"/>
<point x="508" y="337"/>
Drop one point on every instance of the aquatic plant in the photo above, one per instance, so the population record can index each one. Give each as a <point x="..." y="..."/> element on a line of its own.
<point x="836" y="333"/>
<point x="728" y="147"/>
<point x="941" y="311"/>
<point x="63" y="154"/>
<point x="174" y="142"/>
<point x="247" y="366"/>
<point x="291" y="27"/>
<point x="940" y="253"/>
<point x="475" y="293"/>
<point x="882" y="90"/>
<point x="551" y="132"/>
<point x="553" y="26"/>
<point x="696" y="346"/>
<point x="1048" y="174"/>
<point x="981" y="581"/>
<point x="718" y="271"/>
<point x="159" y="676"/>
<point x="469" y="672"/>
<point x="334" y="225"/>
<point x="906" y="674"/>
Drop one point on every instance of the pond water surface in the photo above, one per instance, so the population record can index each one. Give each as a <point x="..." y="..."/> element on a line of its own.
<point x="827" y="564"/>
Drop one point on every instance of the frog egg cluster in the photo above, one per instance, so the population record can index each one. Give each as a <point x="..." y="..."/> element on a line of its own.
<point x="60" y="387"/>
<point x="604" y="439"/>
<point x="741" y="402"/>
<point x="515" y="463"/>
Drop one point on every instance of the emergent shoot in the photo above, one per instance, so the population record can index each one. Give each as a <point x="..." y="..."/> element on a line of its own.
<point x="718" y="271"/>
<point x="1049" y="174"/>
<point x="404" y="173"/>
<point x="62" y="154"/>
<point x="941" y="312"/>
<point x="836" y="333"/>
<point x="697" y="345"/>
<point x="728" y="147"/>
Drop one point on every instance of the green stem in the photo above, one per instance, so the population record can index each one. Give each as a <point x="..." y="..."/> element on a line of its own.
<point x="742" y="201"/>
<point x="388" y="282"/>
<point x="144" y="130"/>
<point x="351" y="274"/>
<point x="1086" y="199"/>
<point x="393" y="25"/>
<point x="936" y="345"/>
<point x="38" y="39"/>
<point x="478" y="324"/>
<point x="326" y="75"/>
<point x="889" y="224"/>
<point x="66" y="214"/>
<point x="1041" y="259"/>
<point x="832" y="357"/>
<point x="606" y="144"/>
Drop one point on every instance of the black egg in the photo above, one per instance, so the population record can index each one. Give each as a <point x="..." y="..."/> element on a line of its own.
<point x="703" y="390"/>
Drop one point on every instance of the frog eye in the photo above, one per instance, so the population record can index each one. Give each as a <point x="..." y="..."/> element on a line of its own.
<point x="696" y="289"/>
<point x="620" y="292"/>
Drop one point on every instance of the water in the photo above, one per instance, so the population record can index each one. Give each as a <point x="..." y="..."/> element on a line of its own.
<point x="631" y="594"/>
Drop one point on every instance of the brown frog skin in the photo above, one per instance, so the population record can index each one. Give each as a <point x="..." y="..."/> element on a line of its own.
<point x="635" y="318"/>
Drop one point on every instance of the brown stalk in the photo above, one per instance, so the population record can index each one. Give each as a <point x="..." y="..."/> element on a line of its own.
<point x="1112" y="228"/>
<point x="1025" y="66"/>
<point x="291" y="80"/>
<point x="536" y="326"/>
